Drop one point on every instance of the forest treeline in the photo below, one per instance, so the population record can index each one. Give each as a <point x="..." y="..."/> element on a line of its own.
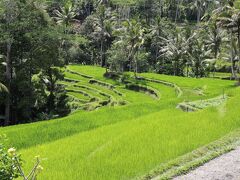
<point x="38" y="38"/>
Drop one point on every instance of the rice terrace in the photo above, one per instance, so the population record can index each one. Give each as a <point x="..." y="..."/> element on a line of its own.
<point x="105" y="90"/>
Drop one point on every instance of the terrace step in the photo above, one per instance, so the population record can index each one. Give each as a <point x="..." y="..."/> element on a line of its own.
<point x="71" y="80"/>
<point x="79" y="74"/>
<point x="139" y="88"/>
<point x="104" y="95"/>
<point x="176" y="87"/>
<point x="111" y="92"/>
<point x="101" y="83"/>
<point x="202" y="104"/>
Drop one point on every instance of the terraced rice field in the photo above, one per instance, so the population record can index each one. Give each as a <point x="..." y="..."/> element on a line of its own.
<point x="125" y="128"/>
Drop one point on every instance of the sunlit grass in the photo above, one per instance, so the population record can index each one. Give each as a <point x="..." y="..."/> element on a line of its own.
<point x="132" y="148"/>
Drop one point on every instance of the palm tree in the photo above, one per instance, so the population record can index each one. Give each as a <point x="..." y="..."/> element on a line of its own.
<point x="66" y="15"/>
<point x="101" y="16"/>
<point x="234" y="57"/>
<point x="180" y="7"/>
<point x="176" y="49"/>
<point x="229" y="19"/>
<point x="9" y="16"/>
<point x="103" y="30"/>
<point x="215" y="37"/>
<point x="134" y="35"/>
<point x="197" y="5"/>
<point x="157" y="31"/>
<point x="201" y="6"/>
<point x="200" y="58"/>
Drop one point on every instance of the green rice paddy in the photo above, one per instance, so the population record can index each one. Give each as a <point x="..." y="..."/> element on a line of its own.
<point x="117" y="133"/>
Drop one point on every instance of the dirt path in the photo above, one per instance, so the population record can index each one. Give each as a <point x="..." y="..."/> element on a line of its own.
<point x="225" y="167"/>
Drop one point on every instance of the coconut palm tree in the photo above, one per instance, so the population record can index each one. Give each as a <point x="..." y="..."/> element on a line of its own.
<point x="176" y="49"/>
<point x="180" y="7"/>
<point x="103" y="30"/>
<point x="158" y="30"/>
<point x="134" y="35"/>
<point x="200" y="58"/>
<point x="200" y="6"/>
<point x="229" y="19"/>
<point x="214" y="39"/>
<point x="66" y="15"/>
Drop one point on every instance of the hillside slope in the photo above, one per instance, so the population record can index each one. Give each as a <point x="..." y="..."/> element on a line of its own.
<point x="120" y="130"/>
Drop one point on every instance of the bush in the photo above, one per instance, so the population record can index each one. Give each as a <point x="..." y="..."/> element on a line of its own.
<point x="11" y="164"/>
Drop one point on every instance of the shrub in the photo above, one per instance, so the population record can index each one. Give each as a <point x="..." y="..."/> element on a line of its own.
<point x="11" y="163"/>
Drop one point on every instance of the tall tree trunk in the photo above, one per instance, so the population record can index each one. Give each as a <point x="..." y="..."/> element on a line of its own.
<point x="238" y="52"/>
<point x="215" y="57"/>
<point x="156" y="54"/>
<point x="232" y="58"/>
<point x="160" y="8"/>
<point x="187" y="70"/>
<point x="136" y="65"/>
<point x="89" y="8"/>
<point x="177" y="9"/>
<point x="102" y="61"/>
<point x="9" y="79"/>
<point x="51" y="97"/>
<point x="197" y="68"/>
<point x="198" y="15"/>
